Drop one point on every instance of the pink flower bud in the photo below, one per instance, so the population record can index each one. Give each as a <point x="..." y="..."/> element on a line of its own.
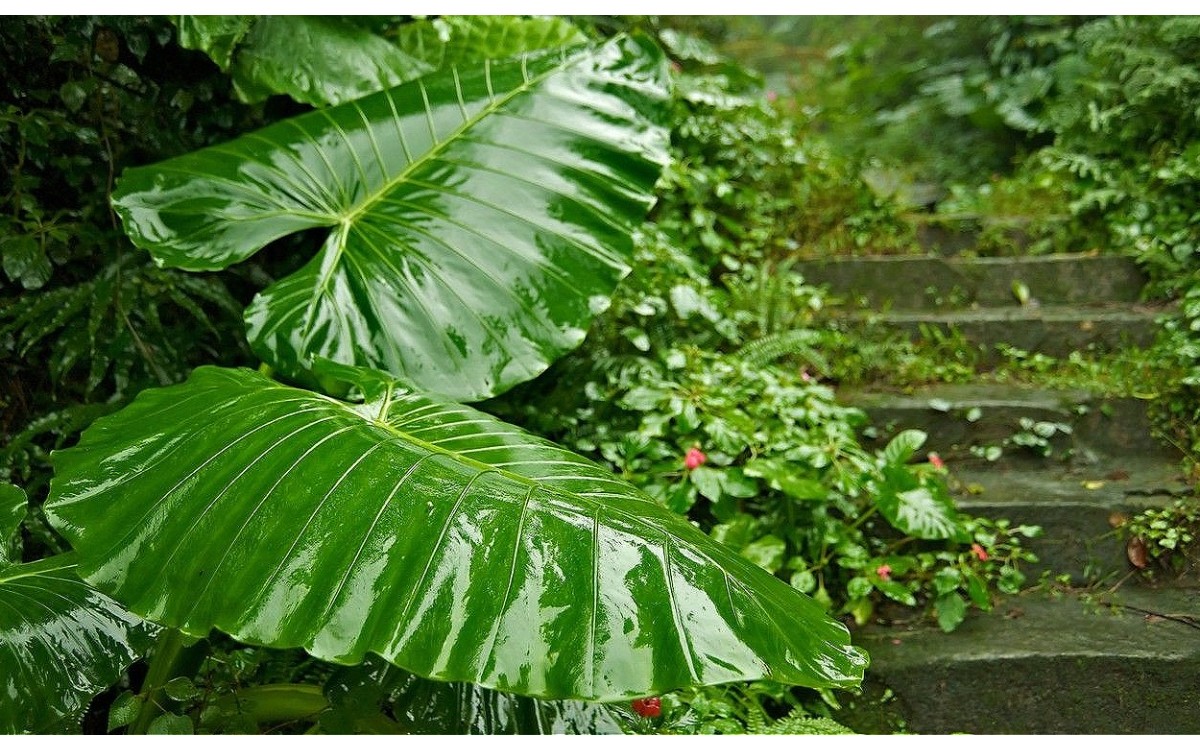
<point x="979" y="552"/>
<point x="884" y="571"/>
<point x="937" y="461"/>
<point x="694" y="458"/>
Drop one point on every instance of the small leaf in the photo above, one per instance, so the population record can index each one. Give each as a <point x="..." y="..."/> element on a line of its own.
<point x="804" y="580"/>
<point x="708" y="481"/>
<point x="171" y="724"/>
<point x="1021" y="291"/>
<point x="767" y="552"/>
<point x="1136" y="551"/>
<point x="181" y="689"/>
<point x="24" y="261"/>
<point x="940" y="404"/>
<point x="946" y="580"/>
<point x="897" y="592"/>
<point x="974" y="413"/>
<point x="123" y="710"/>
<point x="950" y="610"/>
<point x="977" y="590"/>
<point x="858" y="587"/>
<point x="904" y="446"/>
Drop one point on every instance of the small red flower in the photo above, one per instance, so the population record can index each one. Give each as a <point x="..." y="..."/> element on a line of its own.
<point x="884" y="572"/>
<point x="694" y="458"/>
<point x="937" y="461"/>
<point x="979" y="552"/>
<point x="647" y="708"/>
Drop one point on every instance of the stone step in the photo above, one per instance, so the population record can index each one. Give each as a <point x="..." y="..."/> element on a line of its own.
<point x="1053" y="331"/>
<point x="1043" y="665"/>
<point x="929" y="282"/>
<point x="1078" y="508"/>
<point x="963" y="419"/>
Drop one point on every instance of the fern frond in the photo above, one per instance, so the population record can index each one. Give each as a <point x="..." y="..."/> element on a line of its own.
<point x="799" y="343"/>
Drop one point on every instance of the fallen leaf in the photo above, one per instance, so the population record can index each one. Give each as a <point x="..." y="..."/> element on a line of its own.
<point x="1117" y="475"/>
<point x="1135" y="550"/>
<point x="1092" y="484"/>
<point x="1117" y="519"/>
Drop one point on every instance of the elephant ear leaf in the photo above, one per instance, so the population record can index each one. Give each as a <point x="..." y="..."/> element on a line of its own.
<point x="458" y="547"/>
<point x="477" y="218"/>
<point x="12" y="511"/>
<point x="459" y="40"/>
<point x="61" y="642"/>
<point x="317" y="60"/>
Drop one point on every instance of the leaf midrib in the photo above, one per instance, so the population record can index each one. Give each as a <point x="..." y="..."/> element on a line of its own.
<point x="495" y="104"/>
<point x="482" y="467"/>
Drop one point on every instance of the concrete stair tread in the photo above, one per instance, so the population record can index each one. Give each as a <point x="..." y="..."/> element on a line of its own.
<point x="958" y="416"/>
<point x="1038" y="664"/>
<point x="929" y="281"/>
<point x="967" y="395"/>
<point x="1039" y="624"/>
<point x="1133" y="479"/>
<point x="1081" y="314"/>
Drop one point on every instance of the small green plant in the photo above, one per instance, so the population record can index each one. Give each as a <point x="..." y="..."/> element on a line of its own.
<point x="1167" y="540"/>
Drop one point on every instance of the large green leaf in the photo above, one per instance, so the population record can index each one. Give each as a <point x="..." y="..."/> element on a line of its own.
<point x="358" y="694"/>
<point x="317" y="60"/>
<point x="457" y="546"/>
<point x="61" y="642"/>
<point x="479" y="219"/>
<point x="458" y="40"/>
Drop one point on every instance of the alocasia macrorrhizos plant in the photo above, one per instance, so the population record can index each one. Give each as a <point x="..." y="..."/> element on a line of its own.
<point x="61" y="641"/>
<point x="477" y="219"/>
<point x="455" y="545"/>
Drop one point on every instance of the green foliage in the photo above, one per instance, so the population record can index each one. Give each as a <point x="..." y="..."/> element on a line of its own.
<point x="46" y="677"/>
<point x="85" y="320"/>
<point x="1169" y="537"/>
<point x="220" y="536"/>
<point x="316" y="60"/>
<point x="757" y="708"/>
<point x="452" y="259"/>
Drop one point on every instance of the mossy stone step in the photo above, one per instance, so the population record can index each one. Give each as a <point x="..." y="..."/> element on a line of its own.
<point x="1078" y="508"/>
<point x="958" y="417"/>
<point x="931" y="282"/>
<point x="1053" y="331"/>
<point x="1043" y="665"/>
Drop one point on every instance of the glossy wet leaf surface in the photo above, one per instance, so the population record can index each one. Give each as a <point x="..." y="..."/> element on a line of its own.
<point x="61" y="642"/>
<point x="358" y="694"/>
<point x="318" y="60"/>
<point x="455" y="545"/>
<point x="458" y="40"/>
<point x="478" y="218"/>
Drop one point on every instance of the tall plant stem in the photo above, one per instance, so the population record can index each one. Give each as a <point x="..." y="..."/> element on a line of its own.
<point x="162" y="665"/>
